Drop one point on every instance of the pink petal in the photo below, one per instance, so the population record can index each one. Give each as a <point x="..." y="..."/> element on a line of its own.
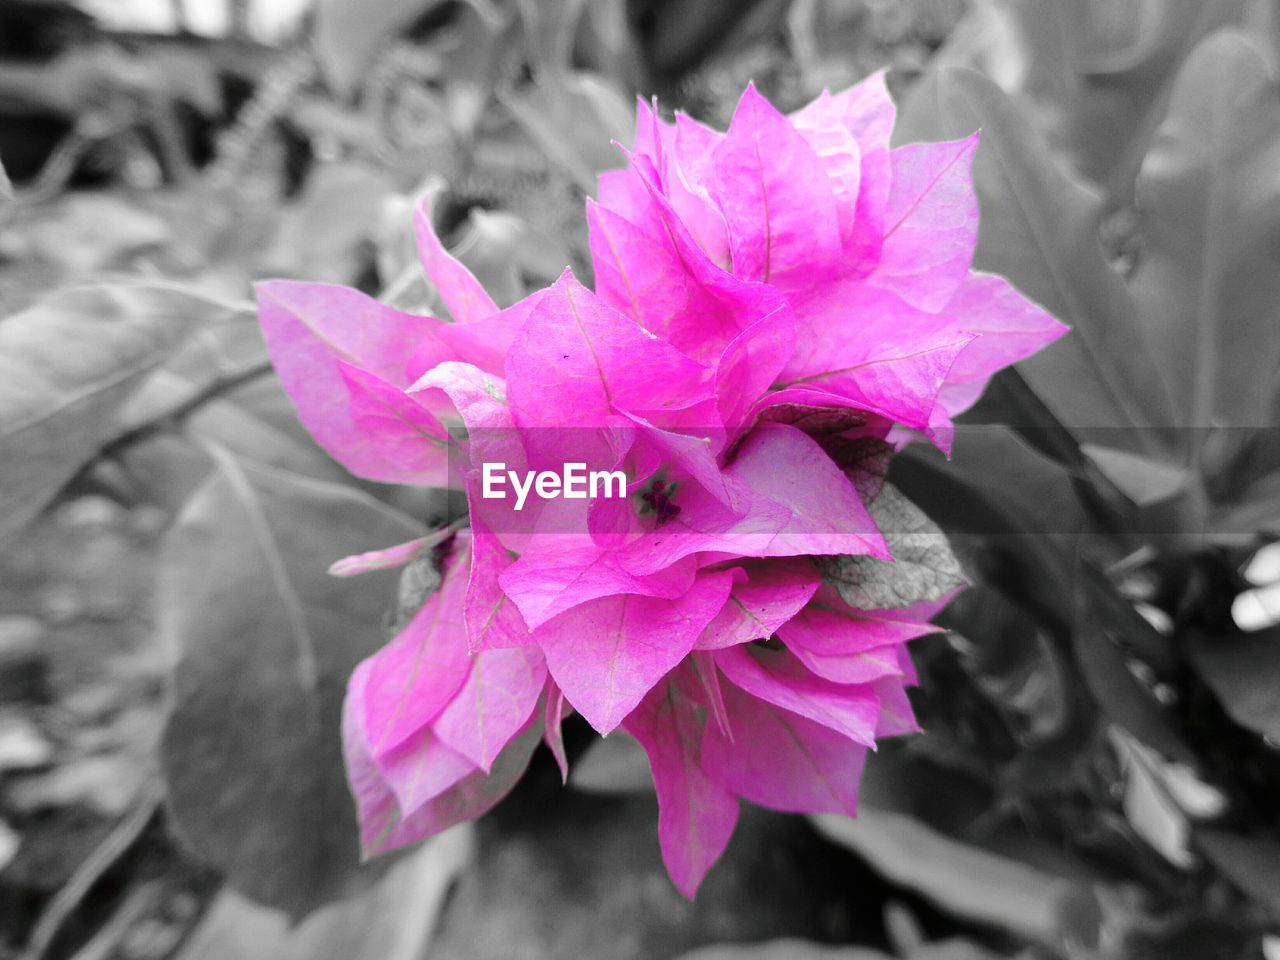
<point x="391" y="556"/>
<point x="752" y="362"/>
<point x="681" y="156"/>
<point x="576" y="365"/>
<point x="553" y="736"/>
<point x="910" y="677"/>
<point x="695" y="816"/>
<point x="704" y="307"/>
<point x="310" y="330"/>
<point x="607" y="654"/>
<point x="485" y="341"/>
<point x="626" y="194"/>
<point x="848" y="649"/>
<point x="827" y="517"/>
<point x="706" y="523"/>
<point x="699" y="678"/>
<point x="896" y="715"/>
<point x="1009" y="326"/>
<point x="687" y="176"/>
<point x="777" y="517"/>
<point x="874" y="349"/>
<point x="459" y="289"/>
<point x="577" y="361"/>
<point x="413" y="677"/>
<point x="492" y="620"/>
<point x="931" y="227"/>
<point x="665" y="283"/>
<point x="565" y="572"/>
<point x="822" y="124"/>
<point x="776" y="199"/>
<point x="398" y="438"/>
<point x="772" y="594"/>
<point x="634" y="270"/>
<point x="777" y="677"/>
<point x="422" y="768"/>
<point x="868" y="111"/>
<point x="494" y="704"/>
<point x="693" y="457"/>
<point x="384" y="827"/>
<point x="480" y="400"/>
<point x="787" y="762"/>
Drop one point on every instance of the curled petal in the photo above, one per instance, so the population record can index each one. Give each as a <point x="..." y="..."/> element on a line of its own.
<point x="776" y="199"/>
<point x="634" y="642"/>
<point x="868" y="112"/>
<point x="768" y="595"/>
<point x="846" y="648"/>
<point x="458" y="287"/>
<point x="384" y="826"/>
<point x="931" y="224"/>
<point x="777" y="677"/>
<point x="389" y="557"/>
<point x="344" y="359"/>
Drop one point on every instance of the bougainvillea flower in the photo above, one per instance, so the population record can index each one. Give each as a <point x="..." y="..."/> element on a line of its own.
<point x="772" y="305"/>
<point x="870" y="247"/>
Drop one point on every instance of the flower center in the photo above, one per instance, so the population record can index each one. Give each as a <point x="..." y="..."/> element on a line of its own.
<point x="656" y="496"/>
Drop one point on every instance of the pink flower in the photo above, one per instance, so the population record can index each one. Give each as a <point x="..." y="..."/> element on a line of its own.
<point x="870" y="247"/>
<point x="764" y="297"/>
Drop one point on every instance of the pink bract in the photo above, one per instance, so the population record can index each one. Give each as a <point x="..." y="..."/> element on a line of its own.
<point x="760" y="294"/>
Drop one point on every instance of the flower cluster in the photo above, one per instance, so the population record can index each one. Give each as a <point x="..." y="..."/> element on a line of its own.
<point x="774" y="307"/>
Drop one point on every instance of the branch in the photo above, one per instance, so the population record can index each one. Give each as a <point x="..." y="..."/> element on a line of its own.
<point x="173" y="417"/>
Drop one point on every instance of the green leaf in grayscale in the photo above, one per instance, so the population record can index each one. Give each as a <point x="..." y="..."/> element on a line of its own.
<point x="924" y="568"/>
<point x="264" y="641"/>
<point x="68" y="365"/>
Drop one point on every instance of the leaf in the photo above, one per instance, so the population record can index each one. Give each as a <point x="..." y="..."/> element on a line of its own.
<point x="1101" y="614"/>
<point x="787" y="948"/>
<point x="323" y="232"/>
<point x="1021" y="489"/>
<point x="1262" y="21"/>
<point x="67" y="366"/>
<point x="573" y="118"/>
<point x="1039" y="228"/>
<point x="1102" y="72"/>
<point x="961" y="879"/>
<point x="924" y="567"/>
<point x="1015" y="663"/>
<point x="1148" y="806"/>
<point x="394" y="920"/>
<point x="1251" y="863"/>
<point x="613" y="764"/>
<point x="349" y="32"/>
<point x="1209" y="217"/>
<point x="471" y="54"/>
<point x="1141" y="479"/>
<point x="865" y="460"/>
<point x="224" y="350"/>
<point x="1244" y="672"/>
<point x="265" y="642"/>
<point x="997" y="491"/>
